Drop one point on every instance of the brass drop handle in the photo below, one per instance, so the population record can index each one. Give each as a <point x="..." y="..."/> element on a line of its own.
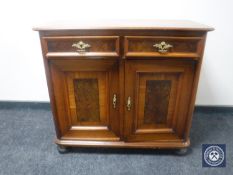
<point x="128" y="103"/>
<point x="114" y="100"/>
<point x="162" y="47"/>
<point x="81" y="46"/>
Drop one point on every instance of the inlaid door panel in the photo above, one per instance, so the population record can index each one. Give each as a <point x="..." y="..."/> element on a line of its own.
<point x="156" y="89"/>
<point x="87" y="106"/>
<point x="87" y="94"/>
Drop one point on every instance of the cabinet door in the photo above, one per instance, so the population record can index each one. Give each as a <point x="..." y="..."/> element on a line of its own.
<point x="157" y="95"/>
<point x="86" y="98"/>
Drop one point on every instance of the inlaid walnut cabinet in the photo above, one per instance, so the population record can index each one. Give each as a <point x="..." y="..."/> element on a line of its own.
<point x="123" y="83"/>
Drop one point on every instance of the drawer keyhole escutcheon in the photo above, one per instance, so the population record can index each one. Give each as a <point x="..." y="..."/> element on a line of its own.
<point x="162" y="47"/>
<point x="114" y="101"/>
<point x="81" y="46"/>
<point x="129" y="104"/>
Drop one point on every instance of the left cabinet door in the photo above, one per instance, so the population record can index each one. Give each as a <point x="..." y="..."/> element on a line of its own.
<point x="86" y="96"/>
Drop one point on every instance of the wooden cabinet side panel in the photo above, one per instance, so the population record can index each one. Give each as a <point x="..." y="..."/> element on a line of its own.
<point x="50" y="86"/>
<point x="197" y="71"/>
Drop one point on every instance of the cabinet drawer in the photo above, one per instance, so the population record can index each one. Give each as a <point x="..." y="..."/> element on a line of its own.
<point x="82" y="46"/>
<point x="162" y="46"/>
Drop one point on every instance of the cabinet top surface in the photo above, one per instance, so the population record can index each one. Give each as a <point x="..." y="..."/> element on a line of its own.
<point x="124" y="25"/>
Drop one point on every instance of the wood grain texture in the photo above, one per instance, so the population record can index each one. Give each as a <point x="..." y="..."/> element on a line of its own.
<point x="138" y="72"/>
<point x="87" y="99"/>
<point x="121" y="144"/>
<point x="106" y="124"/>
<point x="156" y="101"/>
<point x="99" y="45"/>
<point x="125" y="64"/>
<point x="173" y="79"/>
<point x="139" y="46"/>
<point x="99" y="93"/>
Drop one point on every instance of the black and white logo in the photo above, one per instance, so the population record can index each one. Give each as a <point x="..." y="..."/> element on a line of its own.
<point x="213" y="155"/>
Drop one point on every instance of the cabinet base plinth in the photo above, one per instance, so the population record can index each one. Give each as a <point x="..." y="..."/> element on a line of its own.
<point x="121" y="144"/>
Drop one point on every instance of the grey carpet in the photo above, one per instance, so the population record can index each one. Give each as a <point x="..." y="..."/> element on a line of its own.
<point x="26" y="147"/>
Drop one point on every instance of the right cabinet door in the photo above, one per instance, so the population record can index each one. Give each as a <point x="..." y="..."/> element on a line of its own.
<point x="157" y="99"/>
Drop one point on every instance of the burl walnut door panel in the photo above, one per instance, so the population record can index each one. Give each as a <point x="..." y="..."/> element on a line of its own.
<point x="86" y="92"/>
<point x="159" y="92"/>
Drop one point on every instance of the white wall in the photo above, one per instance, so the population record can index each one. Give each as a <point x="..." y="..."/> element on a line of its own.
<point x="21" y="68"/>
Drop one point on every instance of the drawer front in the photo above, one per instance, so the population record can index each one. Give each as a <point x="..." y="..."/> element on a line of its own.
<point x="162" y="46"/>
<point x="82" y="46"/>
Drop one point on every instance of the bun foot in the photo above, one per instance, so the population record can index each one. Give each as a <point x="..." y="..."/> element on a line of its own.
<point x="182" y="151"/>
<point x="62" y="149"/>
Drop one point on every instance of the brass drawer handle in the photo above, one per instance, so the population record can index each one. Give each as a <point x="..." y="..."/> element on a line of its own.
<point x="81" y="46"/>
<point x="128" y="103"/>
<point x="162" y="47"/>
<point x="114" y="101"/>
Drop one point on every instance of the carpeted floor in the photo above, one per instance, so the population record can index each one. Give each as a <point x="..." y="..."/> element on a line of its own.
<point x="26" y="148"/>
